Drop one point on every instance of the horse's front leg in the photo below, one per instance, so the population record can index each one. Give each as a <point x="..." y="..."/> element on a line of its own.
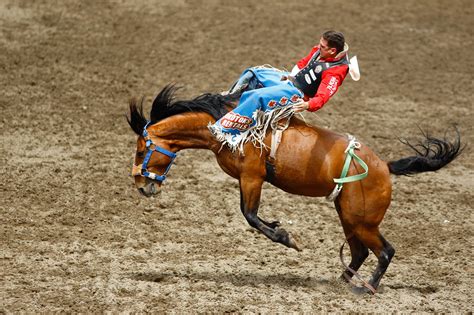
<point x="250" y="192"/>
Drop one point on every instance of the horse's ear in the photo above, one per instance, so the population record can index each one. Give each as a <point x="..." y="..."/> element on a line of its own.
<point x="161" y="103"/>
<point x="136" y="120"/>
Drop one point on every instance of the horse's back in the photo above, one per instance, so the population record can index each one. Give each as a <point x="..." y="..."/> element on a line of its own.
<point x="309" y="158"/>
<point x="303" y="163"/>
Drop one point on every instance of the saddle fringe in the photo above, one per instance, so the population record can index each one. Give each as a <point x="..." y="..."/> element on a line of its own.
<point x="255" y="134"/>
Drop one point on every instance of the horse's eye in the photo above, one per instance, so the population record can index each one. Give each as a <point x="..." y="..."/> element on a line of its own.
<point x="140" y="154"/>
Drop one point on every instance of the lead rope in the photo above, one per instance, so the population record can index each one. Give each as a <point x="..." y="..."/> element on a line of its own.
<point x="355" y="273"/>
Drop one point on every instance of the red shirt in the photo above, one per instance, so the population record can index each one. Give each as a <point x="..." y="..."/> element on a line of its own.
<point x="331" y="80"/>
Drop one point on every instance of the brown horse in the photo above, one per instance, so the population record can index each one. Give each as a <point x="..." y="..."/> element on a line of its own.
<point x="307" y="161"/>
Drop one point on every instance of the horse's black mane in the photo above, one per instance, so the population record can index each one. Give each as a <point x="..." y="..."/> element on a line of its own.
<point x="164" y="106"/>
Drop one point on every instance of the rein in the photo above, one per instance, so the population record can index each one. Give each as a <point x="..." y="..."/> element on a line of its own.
<point x="142" y="169"/>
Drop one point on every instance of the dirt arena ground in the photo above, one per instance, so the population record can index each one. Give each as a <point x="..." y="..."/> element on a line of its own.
<point x="75" y="234"/>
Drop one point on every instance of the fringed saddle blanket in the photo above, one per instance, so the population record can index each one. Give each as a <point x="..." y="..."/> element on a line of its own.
<point x="257" y="110"/>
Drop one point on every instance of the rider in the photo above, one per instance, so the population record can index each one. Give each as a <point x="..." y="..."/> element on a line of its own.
<point x="311" y="83"/>
<point x="330" y="58"/>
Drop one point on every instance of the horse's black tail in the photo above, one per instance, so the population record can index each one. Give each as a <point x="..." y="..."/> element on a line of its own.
<point x="431" y="155"/>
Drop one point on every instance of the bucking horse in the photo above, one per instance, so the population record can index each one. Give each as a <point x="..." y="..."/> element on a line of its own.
<point x="306" y="163"/>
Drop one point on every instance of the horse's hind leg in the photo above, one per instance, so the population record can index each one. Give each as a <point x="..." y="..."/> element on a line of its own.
<point x="371" y="237"/>
<point x="359" y="251"/>
<point x="250" y="191"/>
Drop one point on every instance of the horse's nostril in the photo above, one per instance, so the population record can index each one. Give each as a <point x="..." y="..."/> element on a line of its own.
<point x="142" y="191"/>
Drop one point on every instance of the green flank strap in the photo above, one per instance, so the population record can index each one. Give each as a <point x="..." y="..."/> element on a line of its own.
<point x="350" y="155"/>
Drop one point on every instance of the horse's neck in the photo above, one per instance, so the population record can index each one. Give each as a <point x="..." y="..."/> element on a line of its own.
<point x="188" y="131"/>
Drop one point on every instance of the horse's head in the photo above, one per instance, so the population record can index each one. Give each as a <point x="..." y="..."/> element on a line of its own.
<point x="153" y="155"/>
<point x="153" y="159"/>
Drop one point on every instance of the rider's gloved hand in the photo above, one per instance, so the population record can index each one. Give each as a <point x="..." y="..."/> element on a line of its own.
<point x="301" y="107"/>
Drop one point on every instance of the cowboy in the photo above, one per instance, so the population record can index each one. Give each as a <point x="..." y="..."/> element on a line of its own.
<point x="311" y="83"/>
<point x="319" y="74"/>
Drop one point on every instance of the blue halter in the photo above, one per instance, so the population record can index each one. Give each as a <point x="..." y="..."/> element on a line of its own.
<point x="149" y="143"/>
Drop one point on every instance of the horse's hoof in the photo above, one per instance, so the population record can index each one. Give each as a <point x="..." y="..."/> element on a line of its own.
<point x="345" y="278"/>
<point x="287" y="239"/>
<point x="294" y="243"/>
<point x="361" y="290"/>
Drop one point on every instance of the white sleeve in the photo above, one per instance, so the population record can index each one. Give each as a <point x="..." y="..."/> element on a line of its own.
<point x="295" y="70"/>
